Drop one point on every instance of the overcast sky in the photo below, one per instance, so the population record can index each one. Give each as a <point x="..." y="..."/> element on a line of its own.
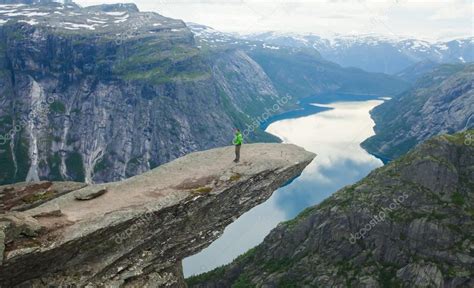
<point x="429" y="20"/>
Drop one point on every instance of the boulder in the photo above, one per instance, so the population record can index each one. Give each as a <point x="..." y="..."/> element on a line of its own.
<point x="90" y="193"/>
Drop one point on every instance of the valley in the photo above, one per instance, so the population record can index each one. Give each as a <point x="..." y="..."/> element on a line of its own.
<point x="335" y="136"/>
<point x="356" y="167"/>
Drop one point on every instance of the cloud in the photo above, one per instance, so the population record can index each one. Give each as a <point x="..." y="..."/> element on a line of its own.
<point x="425" y="19"/>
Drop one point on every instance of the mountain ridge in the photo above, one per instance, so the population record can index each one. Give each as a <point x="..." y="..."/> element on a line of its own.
<point x="376" y="53"/>
<point x="300" y="70"/>
<point x="440" y="102"/>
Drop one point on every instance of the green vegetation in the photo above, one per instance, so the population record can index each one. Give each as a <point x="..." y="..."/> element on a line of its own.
<point x="158" y="62"/>
<point x="460" y="138"/>
<point x="458" y="199"/>
<point x="8" y="173"/>
<point x="57" y="107"/>
<point x="327" y="203"/>
<point x="287" y="282"/>
<point x="54" y="165"/>
<point x="306" y="74"/>
<point x="5" y="123"/>
<point x="243" y="282"/>
<point x="101" y="165"/>
<point x="202" y="190"/>
<point x="387" y="142"/>
<point x="213" y="274"/>
<point x="387" y="277"/>
<point x="306" y="212"/>
<point x="39" y="197"/>
<point x="220" y="271"/>
<point x="241" y="120"/>
<point x="7" y="169"/>
<point x="235" y="177"/>
<point x="22" y="158"/>
<point x="277" y="265"/>
<point x="75" y="166"/>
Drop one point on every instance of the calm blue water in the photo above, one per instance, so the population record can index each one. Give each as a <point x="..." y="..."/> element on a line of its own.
<point x="334" y="133"/>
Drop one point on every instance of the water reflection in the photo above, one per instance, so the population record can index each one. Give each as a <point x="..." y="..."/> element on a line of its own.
<point x="335" y="136"/>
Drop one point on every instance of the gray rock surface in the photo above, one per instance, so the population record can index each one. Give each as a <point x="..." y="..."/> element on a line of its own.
<point x="407" y="224"/>
<point x="136" y="234"/>
<point x="427" y="275"/>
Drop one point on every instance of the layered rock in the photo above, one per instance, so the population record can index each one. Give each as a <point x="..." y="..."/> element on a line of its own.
<point x="134" y="233"/>
<point x="408" y="224"/>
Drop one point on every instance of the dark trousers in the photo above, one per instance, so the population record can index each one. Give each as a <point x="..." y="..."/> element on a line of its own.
<point x="237" y="152"/>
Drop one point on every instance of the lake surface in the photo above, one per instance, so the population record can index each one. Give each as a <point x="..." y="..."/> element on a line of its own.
<point x="334" y="134"/>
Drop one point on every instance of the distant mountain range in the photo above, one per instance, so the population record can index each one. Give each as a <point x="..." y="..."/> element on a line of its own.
<point x="300" y="70"/>
<point x="375" y="53"/>
<point x="370" y="53"/>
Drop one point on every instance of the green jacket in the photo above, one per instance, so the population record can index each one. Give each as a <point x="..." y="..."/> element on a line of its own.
<point x="238" y="139"/>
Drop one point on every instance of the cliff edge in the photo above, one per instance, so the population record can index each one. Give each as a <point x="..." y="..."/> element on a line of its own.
<point x="407" y="224"/>
<point x="135" y="232"/>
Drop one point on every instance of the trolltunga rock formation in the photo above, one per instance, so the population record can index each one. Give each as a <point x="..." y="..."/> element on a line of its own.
<point x="134" y="233"/>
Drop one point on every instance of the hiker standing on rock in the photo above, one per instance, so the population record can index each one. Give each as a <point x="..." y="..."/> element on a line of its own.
<point x="238" y="139"/>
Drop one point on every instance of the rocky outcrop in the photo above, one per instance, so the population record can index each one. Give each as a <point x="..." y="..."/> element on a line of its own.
<point x="408" y="224"/>
<point x="440" y="102"/>
<point x="23" y="196"/>
<point x="136" y="234"/>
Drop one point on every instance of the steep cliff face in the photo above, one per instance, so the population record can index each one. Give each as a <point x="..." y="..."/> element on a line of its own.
<point x="300" y="70"/>
<point x="106" y="92"/>
<point x="440" y="102"/>
<point x="303" y="73"/>
<point x="408" y="224"/>
<point x="134" y="233"/>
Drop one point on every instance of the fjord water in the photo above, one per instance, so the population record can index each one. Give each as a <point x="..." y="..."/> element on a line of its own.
<point x="334" y="135"/>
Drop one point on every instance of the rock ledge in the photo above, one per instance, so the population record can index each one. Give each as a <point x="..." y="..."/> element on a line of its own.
<point x="136" y="234"/>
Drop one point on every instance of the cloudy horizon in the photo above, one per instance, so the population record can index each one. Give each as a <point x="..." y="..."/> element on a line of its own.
<point x="421" y="19"/>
